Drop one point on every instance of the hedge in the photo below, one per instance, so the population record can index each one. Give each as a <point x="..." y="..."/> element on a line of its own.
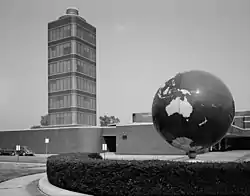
<point x="80" y="173"/>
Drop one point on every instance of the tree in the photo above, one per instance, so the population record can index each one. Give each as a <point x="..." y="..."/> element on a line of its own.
<point x="44" y="120"/>
<point x="106" y="120"/>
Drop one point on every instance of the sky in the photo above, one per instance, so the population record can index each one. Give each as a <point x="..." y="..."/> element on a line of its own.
<point x="140" y="45"/>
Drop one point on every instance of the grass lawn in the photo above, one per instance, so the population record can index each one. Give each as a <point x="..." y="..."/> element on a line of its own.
<point x="9" y="171"/>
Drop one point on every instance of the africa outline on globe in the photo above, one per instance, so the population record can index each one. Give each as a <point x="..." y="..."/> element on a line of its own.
<point x="193" y="110"/>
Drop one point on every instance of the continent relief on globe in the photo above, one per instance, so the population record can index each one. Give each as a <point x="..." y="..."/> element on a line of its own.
<point x="179" y="105"/>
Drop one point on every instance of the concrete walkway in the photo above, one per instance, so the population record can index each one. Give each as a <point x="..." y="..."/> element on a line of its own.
<point x="33" y="185"/>
<point x="114" y="156"/>
<point x="17" y="186"/>
<point x="237" y="156"/>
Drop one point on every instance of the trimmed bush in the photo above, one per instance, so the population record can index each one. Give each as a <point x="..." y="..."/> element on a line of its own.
<point x="80" y="173"/>
<point x="95" y="156"/>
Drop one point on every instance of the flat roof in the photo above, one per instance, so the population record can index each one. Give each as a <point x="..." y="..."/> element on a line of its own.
<point x="94" y="127"/>
<point x="55" y="127"/>
<point x="135" y="123"/>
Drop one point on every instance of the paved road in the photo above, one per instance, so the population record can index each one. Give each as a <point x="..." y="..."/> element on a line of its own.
<point x="24" y="159"/>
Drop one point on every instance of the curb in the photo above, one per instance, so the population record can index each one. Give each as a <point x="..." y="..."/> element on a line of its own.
<point x="51" y="190"/>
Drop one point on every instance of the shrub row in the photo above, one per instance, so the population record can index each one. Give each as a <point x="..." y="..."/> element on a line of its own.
<point x="80" y="173"/>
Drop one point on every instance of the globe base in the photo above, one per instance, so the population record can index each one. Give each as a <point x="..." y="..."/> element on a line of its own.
<point x="192" y="154"/>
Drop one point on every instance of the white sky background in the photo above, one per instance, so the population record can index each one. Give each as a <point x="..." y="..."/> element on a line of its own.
<point x="140" y="45"/>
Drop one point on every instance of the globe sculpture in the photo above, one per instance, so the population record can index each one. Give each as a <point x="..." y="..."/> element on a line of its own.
<point x="193" y="111"/>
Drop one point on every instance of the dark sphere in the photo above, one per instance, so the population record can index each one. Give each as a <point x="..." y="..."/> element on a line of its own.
<point x="193" y="110"/>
